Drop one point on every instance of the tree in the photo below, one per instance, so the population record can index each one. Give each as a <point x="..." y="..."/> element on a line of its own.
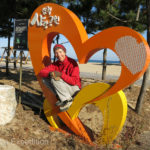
<point x="104" y="64"/>
<point x="97" y="15"/>
<point x="145" y="77"/>
<point x="6" y="23"/>
<point x="16" y="9"/>
<point x="25" y="8"/>
<point x="100" y="14"/>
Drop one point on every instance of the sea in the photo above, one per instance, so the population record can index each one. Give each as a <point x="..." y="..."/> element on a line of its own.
<point x="91" y="61"/>
<point x="101" y="61"/>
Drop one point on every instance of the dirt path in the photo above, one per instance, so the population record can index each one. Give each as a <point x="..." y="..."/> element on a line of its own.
<point x="30" y="129"/>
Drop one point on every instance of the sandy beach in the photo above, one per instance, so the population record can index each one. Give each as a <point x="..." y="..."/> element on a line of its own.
<point x="89" y="70"/>
<point x="113" y="71"/>
<point x="28" y="125"/>
<point x="94" y="70"/>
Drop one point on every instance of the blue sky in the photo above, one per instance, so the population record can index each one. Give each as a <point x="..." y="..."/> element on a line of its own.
<point x="70" y="52"/>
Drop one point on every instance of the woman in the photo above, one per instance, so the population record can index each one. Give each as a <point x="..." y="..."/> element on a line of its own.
<point x="62" y="77"/>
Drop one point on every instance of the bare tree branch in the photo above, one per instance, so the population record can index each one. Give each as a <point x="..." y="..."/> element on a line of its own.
<point x="138" y="14"/>
<point x="124" y="21"/>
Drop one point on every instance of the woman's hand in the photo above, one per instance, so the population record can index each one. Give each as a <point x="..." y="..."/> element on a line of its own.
<point x="56" y="75"/>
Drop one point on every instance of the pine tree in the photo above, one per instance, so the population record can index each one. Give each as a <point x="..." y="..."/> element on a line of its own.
<point x="101" y="14"/>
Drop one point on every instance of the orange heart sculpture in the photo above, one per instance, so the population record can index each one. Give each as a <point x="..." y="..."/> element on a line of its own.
<point x="50" y="19"/>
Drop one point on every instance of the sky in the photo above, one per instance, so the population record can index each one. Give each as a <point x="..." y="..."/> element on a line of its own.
<point x="70" y="52"/>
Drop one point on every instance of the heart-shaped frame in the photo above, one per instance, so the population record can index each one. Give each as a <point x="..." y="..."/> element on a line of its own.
<point x="123" y="41"/>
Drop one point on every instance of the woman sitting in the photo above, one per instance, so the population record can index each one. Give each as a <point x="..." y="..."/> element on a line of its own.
<point x="62" y="77"/>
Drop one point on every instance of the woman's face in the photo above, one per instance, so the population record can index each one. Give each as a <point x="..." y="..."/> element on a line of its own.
<point x="60" y="54"/>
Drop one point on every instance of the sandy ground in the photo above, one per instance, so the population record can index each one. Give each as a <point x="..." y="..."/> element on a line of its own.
<point x="32" y="125"/>
<point x="90" y="70"/>
<point x="113" y="70"/>
<point x="93" y="68"/>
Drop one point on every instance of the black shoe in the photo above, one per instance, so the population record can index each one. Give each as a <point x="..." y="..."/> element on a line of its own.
<point x="66" y="106"/>
<point x="60" y="103"/>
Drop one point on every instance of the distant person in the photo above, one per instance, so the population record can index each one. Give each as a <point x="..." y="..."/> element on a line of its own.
<point x="62" y="77"/>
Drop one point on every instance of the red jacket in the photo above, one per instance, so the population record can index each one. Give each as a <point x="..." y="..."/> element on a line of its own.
<point x="69" y="69"/>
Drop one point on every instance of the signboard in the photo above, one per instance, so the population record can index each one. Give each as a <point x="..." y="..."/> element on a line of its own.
<point x="20" y="39"/>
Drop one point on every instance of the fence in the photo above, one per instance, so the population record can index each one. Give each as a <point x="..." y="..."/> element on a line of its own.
<point x="12" y="55"/>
